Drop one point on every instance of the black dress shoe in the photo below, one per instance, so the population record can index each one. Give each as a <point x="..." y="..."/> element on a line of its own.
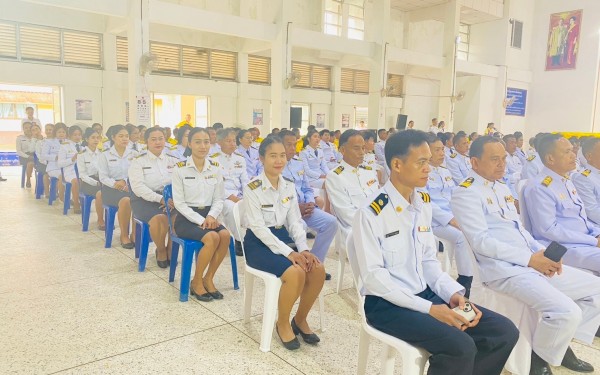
<point x="238" y="249"/>
<point x="310" y="236"/>
<point x="161" y="263"/>
<point x="573" y="363"/>
<point x="215" y="295"/>
<point x="290" y="345"/>
<point x="309" y="338"/>
<point x="206" y="297"/>
<point x="327" y="276"/>
<point x="2" y="179"/>
<point x="539" y="366"/>
<point x="128" y="246"/>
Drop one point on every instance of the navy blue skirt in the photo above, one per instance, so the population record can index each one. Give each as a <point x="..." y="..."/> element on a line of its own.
<point x="259" y="256"/>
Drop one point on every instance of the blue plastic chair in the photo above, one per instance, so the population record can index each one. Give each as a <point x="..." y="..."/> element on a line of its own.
<point x="109" y="217"/>
<point x="142" y="242"/>
<point x="86" y="209"/>
<point x="67" y="197"/>
<point x="190" y="248"/>
<point x="23" y="174"/>
<point x="53" y="193"/>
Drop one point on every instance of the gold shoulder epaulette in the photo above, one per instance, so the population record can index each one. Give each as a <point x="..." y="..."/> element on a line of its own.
<point x="215" y="155"/>
<point x="288" y="179"/>
<point x="255" y="184"/>
<point x="425" y="196"/>
<point x="238" y="154"/>
<point x="140" y="155"/>
<point x="181" y="164"/>
<point x="379" y="203"/>
<point x="587" y="172"/>
<point x="468" y="182"/>
<point x="547" y="181"/>
<point x="530" y="158"/>
<point x="213" y="163"/>
<point x="338" y="170"/>
<point x="454" y="155"/>
<point x="365" y="167"/>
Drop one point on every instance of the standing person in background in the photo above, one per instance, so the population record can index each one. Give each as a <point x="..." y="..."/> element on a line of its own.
<point x="186" y="121"/>
<point x="411" y="124"/>
<point x="25" y="146"/>
<point x="29" y="118"/>
<point x="87" y="166"/>
<point x="490" y="129"/>
<point x="434" y="126"/>
<point x="217" y="126"/>
<point x="442" y="127"/>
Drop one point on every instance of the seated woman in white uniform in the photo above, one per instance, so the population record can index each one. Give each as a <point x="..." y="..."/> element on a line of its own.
<point x="50" y="151"/>
<point x="182" y="150"/>
<point x="274" y="220"/>
<point x="149" y="173"/>
<point x="67" y="160"/>
<point x="312" y="156"/>
<point x="113" y="166"/>
<point x="198" y="191"/>
<point x="87" y="166"/>
<point x="134" y="138"/>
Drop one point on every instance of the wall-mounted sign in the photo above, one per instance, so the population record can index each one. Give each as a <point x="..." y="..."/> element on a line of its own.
<point x="516" y="102"/>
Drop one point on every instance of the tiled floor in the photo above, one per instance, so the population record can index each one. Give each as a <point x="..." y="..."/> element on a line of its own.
<point x="69" y="306"/>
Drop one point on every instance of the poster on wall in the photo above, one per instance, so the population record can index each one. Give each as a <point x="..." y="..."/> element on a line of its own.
<point x="257" y="117"/>
<point x="345" y="120"/>
<point x="83" y="109"/>
<point x="143" y="110"/>
<point x="516" y="102"/>
<point x="563" y="40"/>
<point x="320" y="120"/>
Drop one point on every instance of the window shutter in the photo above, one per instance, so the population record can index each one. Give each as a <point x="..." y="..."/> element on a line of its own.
<point x="223" y="65"/>
<point x="259" y="69"/>
<point x="168" y="58"/>
<point x="304" y="70"/>
<point x="195" y="62"/>
<point x="122" y="54"/>
<point x="321" y="77"/>
<point x="8" y="41"/>
<point x="395" y="82"/>
<point x="361" y="81"/>
<point x="347" y="80"/>
<point x="39" y="44"/>
<point x="82" y="49"/>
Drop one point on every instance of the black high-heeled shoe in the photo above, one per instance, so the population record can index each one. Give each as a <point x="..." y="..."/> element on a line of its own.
<point x="290" y="345"/>
<point x="206" y="297"/>
<point x="309" y="338"/>
<point x="161" y="263"/>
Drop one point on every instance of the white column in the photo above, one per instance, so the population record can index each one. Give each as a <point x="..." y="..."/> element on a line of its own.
<point x="138" y="36"/>
<point x="378" y="66"/>
<point x="244" y="114"/>
<point x="335" y="118"/>
<point x="281" y="67"/>
<point x="448" y="76"/>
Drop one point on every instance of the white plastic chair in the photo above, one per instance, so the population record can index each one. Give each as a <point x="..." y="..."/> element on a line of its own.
<point x="448" y="254"/>
<point x="523" y="213"/>
<point x="413" y="358"/>
<point x="272" y="286"/>
<point x="525" y="318"/>
<point x="340" y="241"/>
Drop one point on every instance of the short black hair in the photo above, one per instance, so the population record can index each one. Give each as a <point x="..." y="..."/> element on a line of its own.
<point x="345" y="137"/>
<point x="518" y="135"/>
<point x="195" y="131"/>
<point x="432" y="138"/>
<point x="324" y="131"/>
<point x="574" y="139"/>
<point x="152" y="130"/>
<point x="399" y="144"/>
<point x="476" y="150"/>
<point x="443" y="137"/>
<point x="381" y="130"/>
<point x="181" y="133"/>
<point x="589" y="144"/>
<point x="286" y="133"/>
<point x="310" y="127"/>
<point x="270" y="140"/>
<point x="546" y="144"/>
<point x="460" y="135"/>
<point x="217" y="126"/>
<point x="369" y="134"/>
<point x="507" y="137"/>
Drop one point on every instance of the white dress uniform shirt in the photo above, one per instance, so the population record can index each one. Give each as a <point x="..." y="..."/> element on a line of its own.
<point x="194" y="188"/>
<point x="50" y="151"/>
<point x="137" y="146"/>
<point x="25" y="146"/>
<point x="214" y="149"/>
<point x="87" y="166"/>
<point x="434" y="129"/>
<point x="329" y="154"/>
<point x="448" y="151"/>
<point x="68" y="149"/>
<point x="253" y="165"/>
<point x="532" y="167"/>
<point x="582" y="160"/>
<point x="149" y="174"/>
<point x="112" y="167"/>
<point x="521" y="155"/>
<point x="371" y="160"/>
<point x="39" y="145"/>
<point x="440" y="186"/>
<point x="513" y="168"/>
<point x="266" y="206"/>
<point x="178" y="153"/>
<point x="234" y="172"/>
<point x="588" y="187"/>
<point x="380" y="153"/>
<point x="348" y="188"/>
<point x="396" y="250"/>
<point x="487" y="215"/>
<point x="31" y="120"/>
<point x="314" y="163"/>
<point x="459" y="166"/>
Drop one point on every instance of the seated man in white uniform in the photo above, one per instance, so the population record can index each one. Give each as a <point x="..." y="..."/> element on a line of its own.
<point x="588" y="181"/>
<point x="440" y="186"/>
<point x="407" y="295"/>
<point x="235" y="177"/>
<point x="459" y="163"/>
<point x="512" y="262"/>
<point x="351" y="182"/>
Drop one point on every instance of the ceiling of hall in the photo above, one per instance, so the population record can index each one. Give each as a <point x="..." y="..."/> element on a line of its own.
<point x="409" y="5"/>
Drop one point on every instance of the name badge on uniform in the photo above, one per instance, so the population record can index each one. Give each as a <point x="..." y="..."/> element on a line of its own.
<point x="424" y="229"/>
<point x="392" y="234"/>
<point x="112" y="159"/>
<point x="146" y="167"/>
<point x="210" y="176"/>
<point x="267" y="206"/>
<point x="369" y="183"/>
<point x="190" y="178"/>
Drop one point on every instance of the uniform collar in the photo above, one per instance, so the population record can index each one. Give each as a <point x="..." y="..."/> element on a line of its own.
<point x="478" y="180"/>
<point x="548" y="172"/>
<point x="151" y="156"/>
<point x="127" y="151"/>
<point x="348" y="167"/>
<point x="398" y="202"/>
<point x="592" y="168"/>
<point x="189" y="163"/>
<point x="243" y="149"/>
<point x="309" y="148"/>
<point x="266" y="183"/>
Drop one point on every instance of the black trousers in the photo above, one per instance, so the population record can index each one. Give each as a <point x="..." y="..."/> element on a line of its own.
<point x="481" y="350"/>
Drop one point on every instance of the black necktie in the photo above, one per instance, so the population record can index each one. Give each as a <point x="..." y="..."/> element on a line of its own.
<point x="248" y="152"/>
<point x="77" y="147"/>
<point x="134" y="147"/>
<point x="316" y="153"/>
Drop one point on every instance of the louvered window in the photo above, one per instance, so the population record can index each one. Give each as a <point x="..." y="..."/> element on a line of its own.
<point x="8" y="41"/>
<point x="355" y="81"/>
<point x="259" y="69"/>
<point x="395" y="84"/>
<point x="312" y="76"/>
<point x="223" y="65"/>
<point x="122" y="54"/>
<point x="82" y="49"/>
<point x="168" y="58"/>
<point x="39" y="44"/>
<point x="195" y="62"/>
